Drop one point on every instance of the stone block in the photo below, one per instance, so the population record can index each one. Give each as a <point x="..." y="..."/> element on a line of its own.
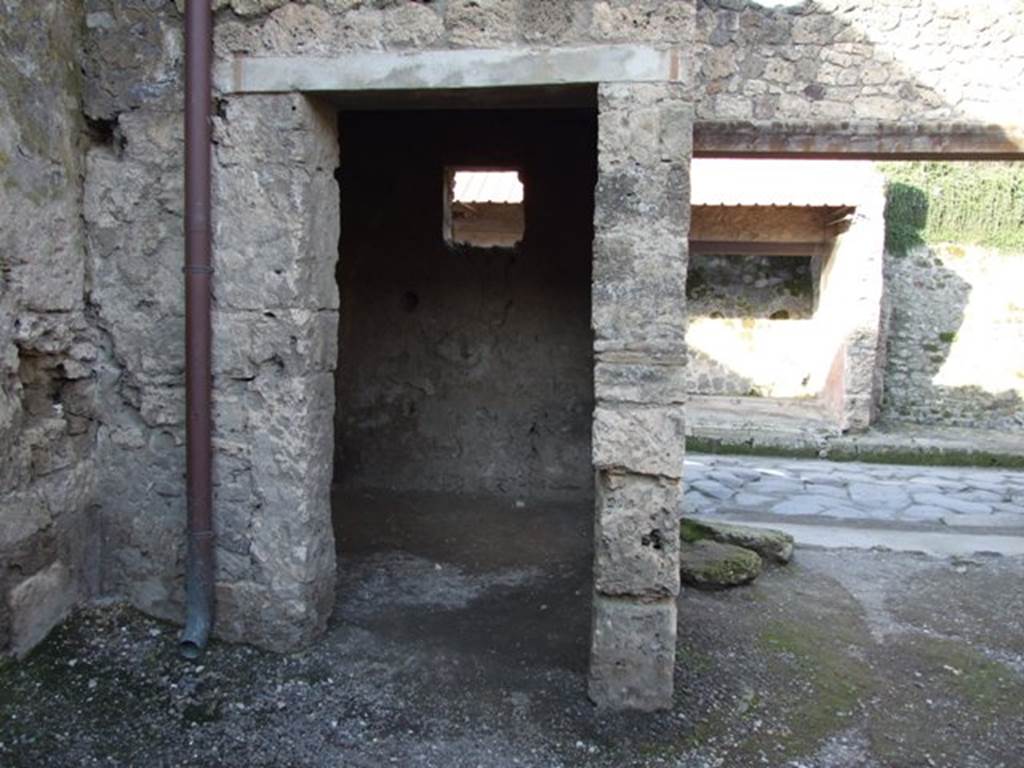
<point x="644" y="197"/>
<point x="632" y="654"/>
<point x="646" y="440"/>
<point x="619" y="379"/>
<point x="282" y="618"/>
<point x="552" y="21"/>
<point x="643" y="124"/>
<point x="481" y="23"/>
<point x="636" y="536"/>
<point x="295" y="341"/>
<point x="38" y="604"/>
<point x="22" y="515"/>
<point x="646" y="20"/>
<point x="707" y="564"/>
<point x="276" y="240"/>
<point x="639" y="291"/>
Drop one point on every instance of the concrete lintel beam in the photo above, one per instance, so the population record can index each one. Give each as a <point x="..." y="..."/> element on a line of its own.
<point x="919" y="141"/>
<point x="483" y="68"/>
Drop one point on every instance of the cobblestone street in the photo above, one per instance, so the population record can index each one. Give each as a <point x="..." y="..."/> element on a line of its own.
<point x="950" y="496"/>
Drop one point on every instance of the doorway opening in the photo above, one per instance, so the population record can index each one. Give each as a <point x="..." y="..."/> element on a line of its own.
<point x="465" y="365"/>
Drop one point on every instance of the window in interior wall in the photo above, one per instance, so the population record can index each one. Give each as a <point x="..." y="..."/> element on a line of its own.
<point x="483" y="207"/>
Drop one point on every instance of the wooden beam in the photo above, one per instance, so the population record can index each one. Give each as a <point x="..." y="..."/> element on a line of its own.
<point x="859" y="141"/>
<point x="748" y="248"/>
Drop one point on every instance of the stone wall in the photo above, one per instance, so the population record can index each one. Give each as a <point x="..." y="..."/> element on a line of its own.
<point x="956" y="338"/>
<point x="135" y="251"/>
<point x="275" y="292"/>
<point x="755" y="312"/>
<point x="465" y="369"/>
<point x="830" y="61"/>
<point x="48" y="528"/>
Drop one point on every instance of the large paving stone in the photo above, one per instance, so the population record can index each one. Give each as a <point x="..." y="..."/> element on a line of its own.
<point x="708" y="564"/>
<point x="953" y="504"/>
<point x="875" y="494"/>
<point x="770" y="544"/>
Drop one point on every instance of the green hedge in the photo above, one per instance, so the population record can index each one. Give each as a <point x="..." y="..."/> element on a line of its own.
<point x="965" y="203"/>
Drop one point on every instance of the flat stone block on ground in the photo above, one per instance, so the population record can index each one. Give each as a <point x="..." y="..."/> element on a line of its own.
<point x="38" y="604"/>
<point x="708" y="564"/>
<point x="768" y="543"/>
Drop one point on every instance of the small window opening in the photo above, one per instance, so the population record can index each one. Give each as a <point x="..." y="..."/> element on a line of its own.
<point x="483" y="208"/>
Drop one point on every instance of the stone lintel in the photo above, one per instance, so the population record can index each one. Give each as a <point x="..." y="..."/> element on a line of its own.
<point x="854" y="141"/>
<point x="471" y="68"/>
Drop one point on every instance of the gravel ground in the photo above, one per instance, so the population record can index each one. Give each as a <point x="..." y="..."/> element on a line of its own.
<point x="844" y="659"/>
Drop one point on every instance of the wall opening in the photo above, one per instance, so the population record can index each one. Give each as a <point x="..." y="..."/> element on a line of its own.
<point x="740" y="285"/>
<point x="464" y="388"/>
<point x="483" y="207"/>
<point x="784" y="294"/>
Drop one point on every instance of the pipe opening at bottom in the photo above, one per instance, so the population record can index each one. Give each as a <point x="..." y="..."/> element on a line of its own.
<point x="190" y="650"/>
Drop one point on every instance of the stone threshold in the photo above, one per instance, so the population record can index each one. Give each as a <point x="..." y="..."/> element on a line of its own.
<point x="910" y="444"/>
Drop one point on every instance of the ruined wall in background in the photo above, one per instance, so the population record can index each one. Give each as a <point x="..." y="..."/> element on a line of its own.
<point x="900" y="61"/>
<point x="48" y="541"/>
<point x="956" y="338"/>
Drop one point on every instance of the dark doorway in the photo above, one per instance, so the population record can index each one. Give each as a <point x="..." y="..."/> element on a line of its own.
<point x="464" y="372"/>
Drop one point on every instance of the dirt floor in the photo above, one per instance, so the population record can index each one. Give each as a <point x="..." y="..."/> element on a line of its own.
<point x="460" y="639"/>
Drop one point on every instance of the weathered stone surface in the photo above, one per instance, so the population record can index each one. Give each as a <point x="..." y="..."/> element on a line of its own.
<point x="639" y="289"/>
<point x="618" y="380"/>
<point x="839" y="61"/>
<point x="708" y="564"/>
<point x="644" y="20"/>
<point x="47" y="352"/>
<point x="38" y="604"/>
<point x="481" y="23"/>
<point x="636" y="546"/>
<point x="642" y="439"/>
<point x="632" y="653"/>
<point x="770" y="544"/>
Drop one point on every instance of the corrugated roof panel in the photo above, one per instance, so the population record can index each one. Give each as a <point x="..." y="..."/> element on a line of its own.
<point x="782" y="182"/>
<point x="487" y="187"/>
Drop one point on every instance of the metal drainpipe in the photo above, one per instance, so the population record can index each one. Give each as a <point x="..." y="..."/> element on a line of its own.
<point x="198" y="277"/>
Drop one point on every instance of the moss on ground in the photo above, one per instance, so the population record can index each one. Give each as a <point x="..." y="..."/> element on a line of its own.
<point x="838" y="682"/>
<point x="690" y="531"/>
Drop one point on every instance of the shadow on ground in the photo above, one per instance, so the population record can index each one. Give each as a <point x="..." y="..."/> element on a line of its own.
<point x="460" y="639"/>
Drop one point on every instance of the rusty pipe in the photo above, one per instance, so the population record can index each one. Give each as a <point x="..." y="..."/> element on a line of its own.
<point x="199" y="567"/>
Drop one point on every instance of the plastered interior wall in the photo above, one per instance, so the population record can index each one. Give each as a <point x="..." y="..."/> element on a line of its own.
<point x="465" y="369"/>
<point x="48" y="530"/>
<point x="956" y="338"/>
